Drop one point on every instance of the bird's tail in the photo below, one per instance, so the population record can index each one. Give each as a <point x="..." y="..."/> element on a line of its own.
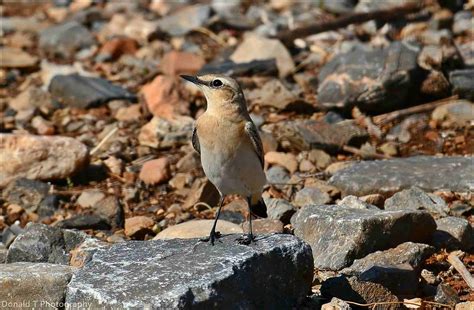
<point x="258" y="207"/>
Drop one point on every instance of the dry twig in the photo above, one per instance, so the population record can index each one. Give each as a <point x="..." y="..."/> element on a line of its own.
<point x="374" y="304"/>
<point x="287" y="37"/>
<point x="459" y="266"/>
<point x="357" y="151"/>
<point x="391" y="116"/>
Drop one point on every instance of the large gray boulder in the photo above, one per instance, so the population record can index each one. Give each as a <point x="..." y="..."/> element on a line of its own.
<point x="274" y="273"/>
<point x="34" y="285"/>
<point x="339" y="234"/>
<point x="386" y="177"/>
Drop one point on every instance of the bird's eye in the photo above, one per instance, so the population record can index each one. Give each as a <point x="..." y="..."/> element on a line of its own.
<point x="216" y="83"/>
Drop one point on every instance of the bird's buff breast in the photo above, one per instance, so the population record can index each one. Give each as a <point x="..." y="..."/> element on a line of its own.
<point x="230" y="162"/>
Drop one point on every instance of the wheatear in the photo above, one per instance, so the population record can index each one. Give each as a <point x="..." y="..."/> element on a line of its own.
<point x="230" y="147"/>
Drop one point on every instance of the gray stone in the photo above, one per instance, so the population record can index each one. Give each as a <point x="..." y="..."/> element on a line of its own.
<point x="275" y="273"/>
<point x="89" y="198"/>
<point x="401" y="132"/>
<point x="353" y="289"/>
<point x="185" y="20"/>
<point x="167" y="133"/>
<point x="401" y="280"/>
<point x="265" y="67"/>
<point x="453" y="233"/>
<point x="466" y="51"/>
<point x="416" y="199"/>
<point x="386" y="177"/>
<point x="311" y="196"/>
<point x="48" y="206"/>
<point x="445" y="294"/>
<point x="111" y="209"/>
<point x="34" y="285"/>
<point x="9" y="233"/>
<point x="42" y="243"/>
<point x="314" y="134"/>
<point x="78" y="91"/>
<point x="339" y="6"/>
<point x="375" y="81"/>
<point x="26" y="193"/>
<point x="3" y="253"/>
<point x="460" y="112"/>
<point x="339" y="234"/>
<point x="413" y="254"/>
<point x="463" y="22"/>
<point x="356" y="203"/>
<point x="463" y="83"/>
<point x="279" y="209"/>
<point x="85" y="221"/>
<point x="64" y="40"/>
<point x="277" y="175"/>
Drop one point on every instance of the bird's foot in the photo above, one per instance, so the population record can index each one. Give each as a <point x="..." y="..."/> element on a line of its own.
<point x="214" y="235"/>
<point x="246" y="239"/>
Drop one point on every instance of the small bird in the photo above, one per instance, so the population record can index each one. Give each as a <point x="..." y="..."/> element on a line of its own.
<point x="230" y="147"/>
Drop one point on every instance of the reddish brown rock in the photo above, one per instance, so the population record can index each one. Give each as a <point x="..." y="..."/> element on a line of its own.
<point x="117" y="47"/>
<point x="155" y="171"/>
<point x="164" y="97"/>
<point x="175" y="63"/>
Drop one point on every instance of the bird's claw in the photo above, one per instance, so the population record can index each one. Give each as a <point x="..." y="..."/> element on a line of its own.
<point x="214" y="235"/>
<point x="246" y="239"/>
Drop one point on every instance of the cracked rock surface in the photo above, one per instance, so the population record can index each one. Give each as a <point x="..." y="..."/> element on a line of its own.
<point x="273" y="273"/>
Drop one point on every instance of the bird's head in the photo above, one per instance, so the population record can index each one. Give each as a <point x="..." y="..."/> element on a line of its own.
<point x="219" y="90"/>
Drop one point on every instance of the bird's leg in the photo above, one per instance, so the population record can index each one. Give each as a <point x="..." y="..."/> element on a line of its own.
<point x="215" y="234"/>
<point x="248" y="238"/>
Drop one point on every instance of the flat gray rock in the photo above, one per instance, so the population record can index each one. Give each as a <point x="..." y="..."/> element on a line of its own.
<point x="340" y="234"/>
<point x="65" y="39"/>
<point x="409" y="253"/>
<point x="317" y="134"/>
<point x="274" y="273"/>
<point x="35" y="285"/>
<point x="386" y="177"/>
<point x="416" y="199"/>
<point x="78" y="91"/>
<point x="185" y="20"/>
<point x="463" y="83"/>
<point x="453" y="233"/>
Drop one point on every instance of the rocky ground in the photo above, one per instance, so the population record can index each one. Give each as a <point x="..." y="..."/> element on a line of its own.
<point x="368" y="138"/>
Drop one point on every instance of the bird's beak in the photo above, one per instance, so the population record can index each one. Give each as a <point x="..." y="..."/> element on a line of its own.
<point x="193" y="79"/>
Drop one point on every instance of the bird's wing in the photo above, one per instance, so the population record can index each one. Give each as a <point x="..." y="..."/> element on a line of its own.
<point x="195" y="141"/>
<point x="252" y="132"/>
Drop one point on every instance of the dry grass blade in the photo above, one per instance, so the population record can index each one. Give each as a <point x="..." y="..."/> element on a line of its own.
<point x="104" y="140"/>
